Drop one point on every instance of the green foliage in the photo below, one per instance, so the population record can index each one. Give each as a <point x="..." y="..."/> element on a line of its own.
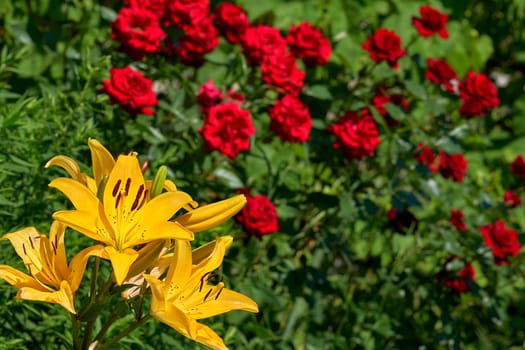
<point x="337" y="275"/>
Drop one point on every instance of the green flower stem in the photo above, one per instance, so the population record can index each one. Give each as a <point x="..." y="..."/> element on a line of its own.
<point x="113" y="317"/>
<point x="141" y="300"/>
<point x="269" y="168"/>
<point x="76" y="331"/>
<point x="87" y="333"/>
<point x="94" y="277"/>
<point x="125" y="332"/>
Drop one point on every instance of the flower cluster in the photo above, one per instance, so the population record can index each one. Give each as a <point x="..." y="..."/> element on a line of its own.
<point x="450" y="166"/>
<point x="130" y="221"/>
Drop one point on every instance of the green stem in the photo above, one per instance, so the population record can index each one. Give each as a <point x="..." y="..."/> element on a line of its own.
<point x="269" y="168"/>
<point x="113" y="317"/>
<point x="125" y="332"/>
<point x="141" y="300"/>
<point x="87" y="333"/>
<point x="76" y="332"/>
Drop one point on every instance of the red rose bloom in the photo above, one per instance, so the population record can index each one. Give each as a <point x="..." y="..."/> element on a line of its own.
<point x="385" y="45"/>
<point x="185" y="13"/>
<point x="401" y="221"/>
<point x="235" y="96"/>
<point x="259" y="216"/>
<point x="425" y="155"/>
<point x="231" y="20"/>
<point x="511" y="199"/>
<point x="502" y="240"/>
<point x="381" y="99"/>
<point x="138" y="32"/>
<point x="518" y="166"/>
<point x="260" y="42"/>
<point x="227" y="128"/>
<point x="157" y="7"/>
<point x="459" y="284"/>
<point x="281" y="71"/>
<point x="452" y="166"/>
<point x="131" y="90"/>
<point x="439" y="72"/>
<point x="356" y="134"/>
<point x="290" y="119"/>
<point x="431" y="21"/>
<point x="200" y="39"/>
<point x="457" y="220"/>
<point x="479" y="95"/>
<point x="309" y="44"/>
<point x="209" y="95"/>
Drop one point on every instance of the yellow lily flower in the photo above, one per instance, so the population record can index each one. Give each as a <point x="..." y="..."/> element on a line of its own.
<point x="102" y="163"/>
<point x="50" y="278"/>
<point x="185" y="296"/>
<point x="125" y="216"/>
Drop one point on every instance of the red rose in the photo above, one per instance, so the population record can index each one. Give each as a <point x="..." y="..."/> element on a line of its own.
<point x="457" y="220"/>
<point x="518" y="166"/>
<point x="157" y="7"/>
<point x="401" y="221"/>
<point x="309" y="44"/>
<point x="260" y="42"/>
<point x="290" y="119"/>
<point x="452" y="166"/>
<point x="479" y="95"/>
<point x="385" y="45"/>
<point x="459" y="283"/>
<point x="356" y="134"/>
<point x="131" y="90"/>
<point x="138" y="32"/>
<point x="209" y="95"/>
<point x="200" y="39"/>
<point x="281" y="71"/>
<point x="231" y="20"/>
<point x="502" y="240"/>
<point x="184" y="13"/>
<point x="259" y="216"/>
<point x="425" y="155"/>
<point x="227" y="128"/>
<point x="235" y="96"/>
<point x="431" y="21"/>
<point x="381" y="99"/>
<point x="511" y="199"/>
<point x="439" y="72"/>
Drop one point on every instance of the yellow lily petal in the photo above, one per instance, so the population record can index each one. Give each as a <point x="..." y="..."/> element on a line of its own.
<point x="205" y="250"/>
<point x="211" y="215"/>
<point x="81" y="197"/>
<point x="208" y="264"/>
<point x="121" y="262"/>
<point x="56" y="239"/>
<point x="26" y="243"/>
<point x="180" y="272"/>
<point x="19" y="279"/>
<point x="84" y="221"/>
<point x="101" y="160"/>
<point x="125" y="193"/>
<point x="63" y="297"/>
<point x="206" y="336"/>
<point x="77" y="267"/>
<point x="224" y="301"/>
<point x="168" y="313"/>
<point x="170" y="186"/>
<point x="68" y="165"/>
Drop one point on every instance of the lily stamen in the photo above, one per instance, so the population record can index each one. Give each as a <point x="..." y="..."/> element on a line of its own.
<point x="221" y="288"/>
<point x="207" y="294"/>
